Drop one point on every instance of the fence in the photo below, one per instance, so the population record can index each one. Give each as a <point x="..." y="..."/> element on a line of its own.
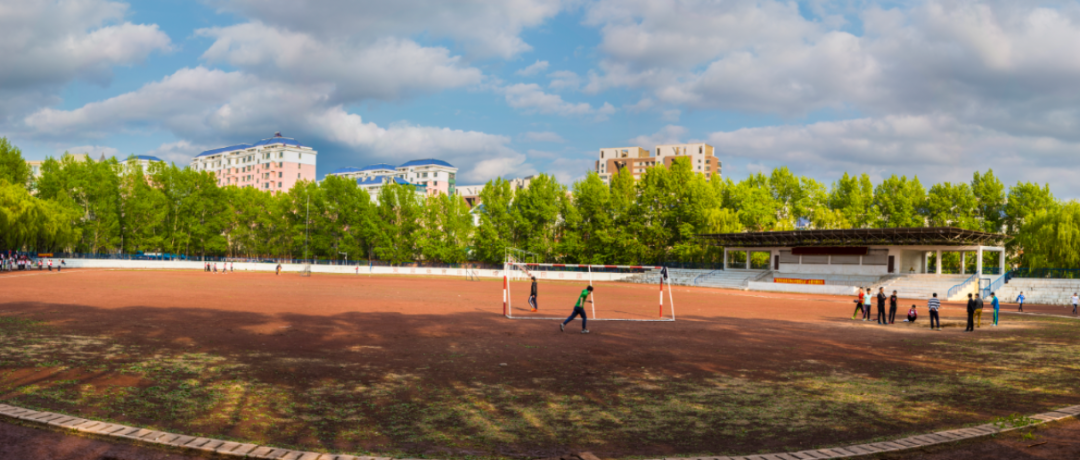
<point x="1062" y="273"/>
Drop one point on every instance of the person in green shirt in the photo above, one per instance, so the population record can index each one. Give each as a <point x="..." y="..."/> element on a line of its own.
<point x="579" y="309"/>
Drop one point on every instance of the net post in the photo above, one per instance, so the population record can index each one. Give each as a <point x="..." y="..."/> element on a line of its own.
<point x="660" y="313"/>
<point x="593" y="293"/>
<point x="506" y="286"/>
<point x="671" y="298"/>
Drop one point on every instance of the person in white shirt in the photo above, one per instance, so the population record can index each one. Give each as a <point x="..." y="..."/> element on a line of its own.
<point x="1076" y="300"/>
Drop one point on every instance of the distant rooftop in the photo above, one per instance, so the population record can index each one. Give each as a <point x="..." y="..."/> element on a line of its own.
<point x="426" y="162"/>
<point x="277" y="139"/>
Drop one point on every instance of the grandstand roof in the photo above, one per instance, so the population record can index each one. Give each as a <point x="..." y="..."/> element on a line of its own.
<point x="426" y="162"/>
<point x="923" y="236"/>
<point x="148" y="158"/>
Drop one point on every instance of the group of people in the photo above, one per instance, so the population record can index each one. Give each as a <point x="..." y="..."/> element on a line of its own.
<point x="974" y="309"/>
<point x="225" y="267"/>
<point x="22" y="262"/>
<point x="863" y="307"/>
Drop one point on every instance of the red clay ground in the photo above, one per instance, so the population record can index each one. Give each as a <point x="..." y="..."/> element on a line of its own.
<point x="448" y="335"/>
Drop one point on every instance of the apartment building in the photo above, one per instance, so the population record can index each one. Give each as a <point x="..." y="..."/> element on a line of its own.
<point x="637" y="160"/>
<point x="141" y="160"/>
<point x="274" y="164"/>
<point x="430" y="175"/>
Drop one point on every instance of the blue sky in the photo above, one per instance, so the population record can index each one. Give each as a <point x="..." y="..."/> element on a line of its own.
<point x="936" y="89"/>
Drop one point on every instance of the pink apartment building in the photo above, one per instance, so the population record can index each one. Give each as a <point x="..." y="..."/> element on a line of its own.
<point x="274" y="164"/>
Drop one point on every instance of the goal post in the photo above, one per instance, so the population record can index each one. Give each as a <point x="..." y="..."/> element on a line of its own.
<point x="559" y="286"/>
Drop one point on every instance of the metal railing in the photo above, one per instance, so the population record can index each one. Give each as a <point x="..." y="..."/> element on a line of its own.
<point x="996" y="285"/>
<point x="960" y="287"/>
<point x="1061" y="273"/>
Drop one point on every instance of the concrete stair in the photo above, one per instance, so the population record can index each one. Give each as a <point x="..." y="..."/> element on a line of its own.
<point x="1040" y="291"/>
<point x="729" y="279"/>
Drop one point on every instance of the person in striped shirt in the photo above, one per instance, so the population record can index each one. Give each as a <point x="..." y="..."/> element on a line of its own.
<point x="933" y="305"/>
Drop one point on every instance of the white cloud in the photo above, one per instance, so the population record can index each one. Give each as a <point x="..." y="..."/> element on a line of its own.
<point x="570" y="170"/>
<point x="48" y="44"/>
<point x="485" y="29"/>
<point x="211" y="107"/>
<point x="671" y="116"/>
<point x="530" y="98"/>
<point x="564" y="80"/>
<point x="542" y="136"/>
<point x="934" y="147"/>
<point x="387" y="68"/>
<point x="1007" y="65"/>
<point x="670" y="134"/>
<point x="533" y="69"/>
<point x="179" y="152"/>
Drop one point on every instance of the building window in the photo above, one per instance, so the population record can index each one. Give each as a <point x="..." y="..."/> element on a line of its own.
<point x="279" y="174"/>
<point x="279" y="184"/>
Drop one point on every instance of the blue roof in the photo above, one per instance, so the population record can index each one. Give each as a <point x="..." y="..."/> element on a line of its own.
<point x="426" y="162"/>
<point x="224" y="149"/>
<point x="378" y="166"/>
<point x="147" y="157"/>
<point x="277" y="139"/>
<point x="380" y="180"/>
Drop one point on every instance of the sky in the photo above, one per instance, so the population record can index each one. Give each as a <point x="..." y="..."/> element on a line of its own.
<point x="934" y="89"/>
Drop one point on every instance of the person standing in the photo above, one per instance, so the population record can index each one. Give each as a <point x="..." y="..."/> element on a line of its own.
<point x="882" y="319"/>
<point x="933" y="305"/>
<point x="1020" y="299"/>
<point x="997" y="305"/>
<point x="978" y="310"/>
<point x="50" y="265"/>
<point x="866" y="305"/>
<point x="970" y="315"/>
<point x="532" y="295"/>
<point x="277" y="271"/>
<point x="858" y="304"/>
<point x="892" y="307"/>
<point x="579" y="310"/>
<point x="1076" y="300"/>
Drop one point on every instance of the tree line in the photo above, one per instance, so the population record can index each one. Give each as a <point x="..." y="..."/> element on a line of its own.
<point x="106" y="207"/>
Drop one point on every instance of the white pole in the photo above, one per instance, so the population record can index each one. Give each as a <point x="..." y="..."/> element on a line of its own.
<point x="593" y="294"/>
<point x="672" y="299"/>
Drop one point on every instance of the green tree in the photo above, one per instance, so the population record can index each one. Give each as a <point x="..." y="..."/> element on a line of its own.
<point x="951" y="205"/>
<point x="13" y="167"/>
<point x="496" y="230"/>
<point x="989" y="194"/>
<point x="1024" y="199"/>
<point x="854" y="198"/>
<point x="1051" y="237"/>
<point x="900" y="202"/>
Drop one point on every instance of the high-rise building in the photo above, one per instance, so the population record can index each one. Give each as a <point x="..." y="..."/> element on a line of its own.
<point x="274" y="164"/>
<point x="637" y="160"/>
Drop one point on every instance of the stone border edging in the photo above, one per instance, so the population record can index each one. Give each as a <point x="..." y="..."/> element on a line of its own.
<point x="246" y="450"/>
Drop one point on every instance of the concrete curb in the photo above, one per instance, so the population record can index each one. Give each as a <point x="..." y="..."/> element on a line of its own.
<point x="243" y="450"/>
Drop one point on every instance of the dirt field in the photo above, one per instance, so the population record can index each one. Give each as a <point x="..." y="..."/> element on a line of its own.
<point x="428" y="366"/>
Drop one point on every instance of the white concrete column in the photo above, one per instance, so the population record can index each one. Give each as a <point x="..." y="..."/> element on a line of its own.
<point x="1001" y="261"/>
<point x="963" y="262"/>
<point x="925" y="262"/>
<point x="747" y="259"/>
<point x="725" y="258"/>
<point x="938" y="267"/>
<point x="978" y="261"/>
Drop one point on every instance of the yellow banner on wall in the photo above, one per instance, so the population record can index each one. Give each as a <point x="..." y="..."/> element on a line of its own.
<point x="798" y="281"/>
